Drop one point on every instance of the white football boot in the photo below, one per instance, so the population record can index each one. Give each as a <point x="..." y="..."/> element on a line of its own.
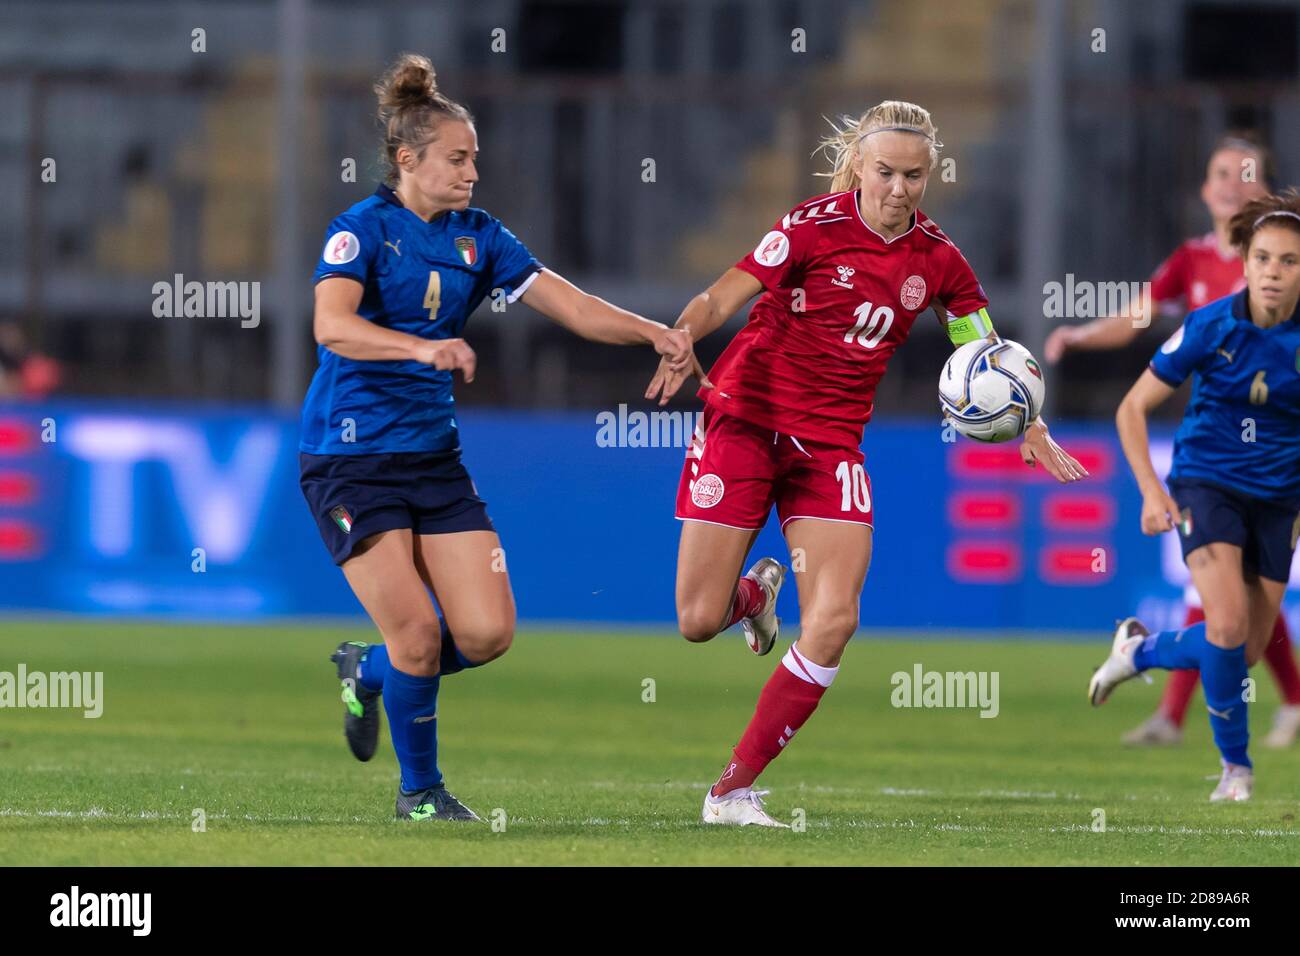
<point x="1286" y="723"/>
<point x="1156" y="731"/>
<point x="1119" y="666"/>
<point x="1235" y="784"/>
<point x="761" y="629"/>
<point x="739" y="809"/>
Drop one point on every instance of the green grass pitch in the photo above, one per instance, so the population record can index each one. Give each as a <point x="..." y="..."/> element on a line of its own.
<point x="244" y="723"/>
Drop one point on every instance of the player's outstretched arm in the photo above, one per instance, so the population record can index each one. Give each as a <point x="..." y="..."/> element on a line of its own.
<point x="1159" y="510"/>
<point x="703" y="315"/>
<point x="1108" y="332"/>
<point x="593" y="318"/>
<point x="339" y="328"/>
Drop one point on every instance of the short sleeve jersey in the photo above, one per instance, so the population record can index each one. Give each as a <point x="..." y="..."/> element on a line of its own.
<point x="1242" y="424"/>
<point x="839" y="300"/>
<point x="423" y="278"/>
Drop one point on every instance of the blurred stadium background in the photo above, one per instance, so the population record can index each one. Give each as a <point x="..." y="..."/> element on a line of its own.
<point x="127" y="441"/>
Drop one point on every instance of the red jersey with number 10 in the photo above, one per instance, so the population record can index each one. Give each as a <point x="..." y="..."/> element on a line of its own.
<point x="840" y="300"/>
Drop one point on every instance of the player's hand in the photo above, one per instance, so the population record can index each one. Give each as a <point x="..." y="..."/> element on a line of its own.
<point x="666" y="382"/>
<point x="1160" y="513"/>
<point x="1059" y="342"/>
<point x="447" y="354"/>
<point x="1038" y="446"/>
<point x="677" y="349"/>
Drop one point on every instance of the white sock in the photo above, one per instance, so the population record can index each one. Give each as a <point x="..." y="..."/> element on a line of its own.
<point x="806" y="670"/>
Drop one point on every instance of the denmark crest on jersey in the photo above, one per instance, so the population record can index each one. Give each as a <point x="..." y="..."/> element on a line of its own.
<point x="912" y="293"/>
<point x="467" y="248"/>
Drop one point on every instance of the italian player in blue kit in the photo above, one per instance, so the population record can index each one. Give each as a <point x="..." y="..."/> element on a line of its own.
<point x="399" y="276"/>
<point x="1234" y="490"/>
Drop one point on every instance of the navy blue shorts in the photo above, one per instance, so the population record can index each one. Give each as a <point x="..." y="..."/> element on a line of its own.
<point x="354" y="496"/>
<point x="1264" y="530"/>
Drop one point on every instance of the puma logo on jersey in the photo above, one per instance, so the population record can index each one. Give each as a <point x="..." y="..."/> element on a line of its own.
<point x="1221" y="714"/>
<point x="846" y="273"/>
<point x="816" y="211"/>
<point x="394" y="247"/>
<point x="1225" y="353"/>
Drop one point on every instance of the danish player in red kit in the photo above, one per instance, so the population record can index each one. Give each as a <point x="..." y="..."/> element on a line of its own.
<point x="1201" y="270"/>
<point x="843" y="277"/>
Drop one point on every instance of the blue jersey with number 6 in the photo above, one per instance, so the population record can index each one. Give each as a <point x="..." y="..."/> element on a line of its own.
<point x="423" y="278"/>
<point x="1242" y="425"/>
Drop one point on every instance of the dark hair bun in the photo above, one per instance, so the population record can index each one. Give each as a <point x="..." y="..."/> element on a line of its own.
<point x="409" y="82"/>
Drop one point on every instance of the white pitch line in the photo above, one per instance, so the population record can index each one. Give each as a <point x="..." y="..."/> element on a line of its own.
<point x="682" y="823"/>
<point x="1178" y="831"/>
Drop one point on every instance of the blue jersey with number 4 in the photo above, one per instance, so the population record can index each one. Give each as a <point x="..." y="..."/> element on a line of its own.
<point x="423" y="278"/>
<point x="1242" y="425"/>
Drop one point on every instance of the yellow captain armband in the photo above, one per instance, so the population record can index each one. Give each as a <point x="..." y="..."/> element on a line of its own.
<point x="969" y="328"/>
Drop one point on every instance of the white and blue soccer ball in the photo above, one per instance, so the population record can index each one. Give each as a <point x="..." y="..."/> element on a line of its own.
<point x="991" y="391"/>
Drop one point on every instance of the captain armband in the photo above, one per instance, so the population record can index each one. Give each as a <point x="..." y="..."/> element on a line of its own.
<point x="969" y="328"/>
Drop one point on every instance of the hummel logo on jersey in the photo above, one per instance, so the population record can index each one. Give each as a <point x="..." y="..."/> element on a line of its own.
<point x="394" y="247"/>
<point x="817" y="211"/>
<point x="846" y="272"/>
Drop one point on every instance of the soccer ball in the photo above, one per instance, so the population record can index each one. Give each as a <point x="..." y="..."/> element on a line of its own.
<point x="991" y="391"/>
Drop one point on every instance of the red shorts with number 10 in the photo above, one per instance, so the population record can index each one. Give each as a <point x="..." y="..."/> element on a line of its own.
<point x="735" y="471"/>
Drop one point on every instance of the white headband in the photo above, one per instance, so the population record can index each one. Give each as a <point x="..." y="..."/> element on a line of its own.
<point x="896" y="129"/>
<point x="1276" y="212"/>
<point x="1245" y="145"/>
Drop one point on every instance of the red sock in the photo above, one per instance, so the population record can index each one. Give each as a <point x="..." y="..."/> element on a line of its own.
<point x="788" y="699"/>
<point x="749" y="600"/>
<point x="1281" y="661"/>
<point x="1182" y="684"/>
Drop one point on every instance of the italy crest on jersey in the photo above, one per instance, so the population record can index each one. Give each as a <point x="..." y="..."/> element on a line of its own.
<point x="467" y="249"/>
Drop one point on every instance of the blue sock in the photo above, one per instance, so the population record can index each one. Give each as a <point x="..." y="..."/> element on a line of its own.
<point x="1172" y="650"/>
<point x="452" y="660"/>
<point x="1223" y="675"/>
<point x="374" y="665"/>
<point x="412" y="706"/>
<point x="374" y="662"/>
